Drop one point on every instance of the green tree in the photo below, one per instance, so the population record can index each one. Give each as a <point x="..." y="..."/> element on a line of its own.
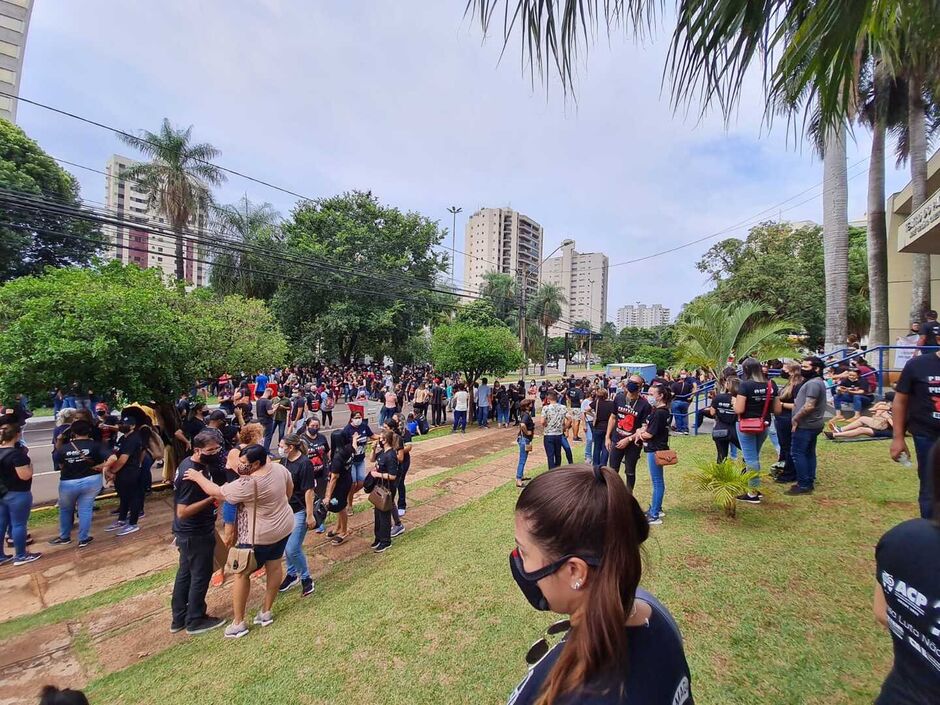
<point x="120" y="326"/>
<point x="177" y="178"/>
<point x="715" y="333"/>
<point x="546" y="309"/>
<point x="479" y="312"/>
<point x="361" y="275"/>
<point x="31" y="240"/>
<point x="250" y="234"/>
<point x="663" y="358"/>
<point x="500" y="290"/>
<point x="474" y="350"/>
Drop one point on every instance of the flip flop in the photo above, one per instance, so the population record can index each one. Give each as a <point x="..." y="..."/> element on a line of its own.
<point x="330" y="533"/>
<point x="337" y="540"/>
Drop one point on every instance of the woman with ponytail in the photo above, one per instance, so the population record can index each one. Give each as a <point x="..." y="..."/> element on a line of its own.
<point x="578" y="535"/>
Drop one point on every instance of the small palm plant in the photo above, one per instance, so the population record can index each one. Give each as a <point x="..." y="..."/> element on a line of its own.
<point x="724" y="481"/>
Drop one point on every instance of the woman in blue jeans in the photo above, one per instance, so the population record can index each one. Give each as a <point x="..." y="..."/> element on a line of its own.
<point x="79" y="461"/>
<point x="295" y="459"/>
<point x="757" y="398"/>
<point x="655" y="437"/>
<point x="16" y="473"/>
<point x="526" y="434"/>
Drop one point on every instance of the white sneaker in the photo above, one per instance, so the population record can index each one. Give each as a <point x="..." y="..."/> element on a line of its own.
<point x="264" y="618"/>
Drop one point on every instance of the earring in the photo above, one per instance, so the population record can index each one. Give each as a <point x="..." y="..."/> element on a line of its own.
<point x="577" y="585"/>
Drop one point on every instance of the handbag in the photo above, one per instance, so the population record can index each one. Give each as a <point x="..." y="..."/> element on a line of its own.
<point x="241" y="560"/>
<point x="757" y="425"/>
<point x="381" y="498"/>
<point x="665" y="457"/>
<point x="720" y="434"/>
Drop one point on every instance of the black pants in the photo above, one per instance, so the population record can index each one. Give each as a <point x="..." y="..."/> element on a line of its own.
<point x="438" y="416"/>
<point x="192" y="578"/>
<point x="326" y="414"/>
<point x="421" y="409"/>
<point x="400" y="486"/>
<point x="383" y="525"/>
<point x="514" y="413"/>
<point x="723" y="445"/>
<point x="130" y="491"/>
<point x="629" y="457"/>
<point x="784" y="426"/>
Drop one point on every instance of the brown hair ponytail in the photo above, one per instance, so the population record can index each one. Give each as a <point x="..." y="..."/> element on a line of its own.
<point x="581" y="512"/>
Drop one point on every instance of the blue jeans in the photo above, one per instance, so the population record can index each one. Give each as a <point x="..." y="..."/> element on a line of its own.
<point x="658" y="481"/>
<point x="680" y="411"/>
<point x="600" y="455"/>
<point x="268" y="435"/>
<point x="588" y="445"/>
<point x="280" y="427"/>
<point x="14" y="512"/>
<point x="294" y="552"/>
<point x="922" y="446"/>
<point x="523" y="456"/>
<point x="502" y="415"/>
<point x="80" y="492"/>
<point x="774" y="441"/>
<point x="857" y="402"/>
<point x="460" y="420"/>
<point x="552" y="450"/>
<point x="750" y="448"/>
<point x="565" y="446"/>
<point x="803" y="452"/>
<point x="483" y="415"/>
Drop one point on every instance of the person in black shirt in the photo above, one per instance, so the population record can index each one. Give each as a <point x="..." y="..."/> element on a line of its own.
<point x="193" y="424"/>
<point x="340" y="482"/>
<point x="516" y="395"/>
<point x="404" y="464"/>
<point x="917" y="409"/>
<point x="578" y="535"/>
<point x="79" y="462"/>
<point x="16" y="475"/>
<point x="655" y="437"/>
<point x="385" y="457"/>
<point x="929" y="330"/>
<point x="623" y="440"/>
<point x="603" y="409"/>
<point x="124" y="467"/>
<point x="301" y="503"/>
<point x="194" y="529"/>
<point x="907" y="602"/>
<point x="724" y="433"/>
<point x="757" y="398"/>
<point x="265" y="411"/>
<point x="438" y="403"/>
<point x="682" y="390"/>
<point x="524" y="439"/>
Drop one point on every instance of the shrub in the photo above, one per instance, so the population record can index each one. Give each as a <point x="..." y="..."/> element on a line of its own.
<point x="723" y="481"/>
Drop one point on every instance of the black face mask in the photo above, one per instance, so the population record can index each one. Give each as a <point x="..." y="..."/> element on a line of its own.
<point x="784" y="375"/>
<point x="528" y="582"/>
<point x="633" y="387"/>
<point x="810" y="373"/>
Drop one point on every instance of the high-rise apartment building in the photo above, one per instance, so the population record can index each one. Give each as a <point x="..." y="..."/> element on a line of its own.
<point x="125" y="200"/>
<point x="642" y="316"/>
<point x="505" y="241"/>
<point x="14" y="24"/>
<point x="582" y="278"/>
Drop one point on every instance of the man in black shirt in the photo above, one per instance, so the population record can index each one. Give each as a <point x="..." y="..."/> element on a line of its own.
<point x="438" y="403"/>
<point x="194" y="528"/>
<point x="917" y="409"/>
<point x="264" y="410"/>
<point x="929" y="330"/>
<point x="624" y="442"/>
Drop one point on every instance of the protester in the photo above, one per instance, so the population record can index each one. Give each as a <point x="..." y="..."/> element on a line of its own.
<point x="339" y="484"/>
<point x="757" y="398"/>
<point x="404" y="465"/>
<point x="784" y="467"/>
<point x="265" y="521"/>
<point x="573" y="397"/>
<point x="16" y="475"/>
<point x="553" y="422"/>
<point x="603" y="409"/>
<point x="194" y="531"/>
<point x="482" y="398"/>
<point x="502" y="403"/>
<point x="929" y="330"/>
<point x="682" y="390"/>
<point x="264" y="410"/>
<point x="327" y="403"/>
<point x="578" y="536"/>
<point x="461" y="401"/>
<point x="524" y="439"/>
<point x="438" y="405"/>
<point x="317" y="450"/>
<point x="358" y="433"/>
<point x="725" y="432"/>
<point x="917" y="409"/>
<point x="853" y="391"/>
<point x="655" y="437"/>
<point x="623" y="439"/>
<point x="588" y="416"/>
<point x="51" y="695"/>
<point x="79" y="462"/>
<point x="124" y="468"/>
<point x="809" y="410"/>
<point x="301" y="472"/>
<point x="385" y="472"/>
<point x="907" y="595"/>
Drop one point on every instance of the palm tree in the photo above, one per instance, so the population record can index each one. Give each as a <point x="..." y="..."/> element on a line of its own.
<point x="836" y="236"/>
<point x="177" y="178"/>
<point x="501" y="290"/>
<point x="714" y="334"/>
<point x="249" y="233"/>
<point x="546" y="307"/>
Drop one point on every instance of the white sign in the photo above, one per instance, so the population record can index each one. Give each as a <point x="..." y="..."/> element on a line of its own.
<point x="919" y="223"/>
<point x="902" y="357"/>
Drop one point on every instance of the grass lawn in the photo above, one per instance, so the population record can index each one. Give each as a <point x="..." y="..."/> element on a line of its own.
<point x="774" y="606"/>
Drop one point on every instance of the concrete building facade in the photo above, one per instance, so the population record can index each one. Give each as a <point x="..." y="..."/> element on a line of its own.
<point x="505" y="241"/>
<point x="582" y="277"/>
<point x="642" y="316"/>
<point x="14" y="26"/>
<point x="125" y="200"/>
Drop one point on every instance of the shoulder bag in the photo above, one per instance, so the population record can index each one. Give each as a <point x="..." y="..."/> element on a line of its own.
<point x="381" y="496"/>
<point x="665" y="457"/>
<point x="757" y="425"/>
<point x="242" y="560"/>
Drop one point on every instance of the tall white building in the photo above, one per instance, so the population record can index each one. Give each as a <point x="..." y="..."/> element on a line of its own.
<point x="14" y="25"/>
<point x="642" y="316"/>
<point x="505" y="241"/>
<point x="126" y="201"/>
<point x="582" y="277"/>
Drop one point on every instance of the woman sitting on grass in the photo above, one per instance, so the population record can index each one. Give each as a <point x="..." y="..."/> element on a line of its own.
<point x="879" y="425"/>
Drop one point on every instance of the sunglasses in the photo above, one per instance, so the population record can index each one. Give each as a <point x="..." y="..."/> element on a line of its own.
<point x="541" y="647"/>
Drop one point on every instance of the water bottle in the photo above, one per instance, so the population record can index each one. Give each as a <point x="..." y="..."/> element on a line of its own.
<point x="905" y="460"/>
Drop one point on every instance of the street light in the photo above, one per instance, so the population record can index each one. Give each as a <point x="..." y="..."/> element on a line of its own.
<point x="453" y="210"/>
<point x="590" y="323"/>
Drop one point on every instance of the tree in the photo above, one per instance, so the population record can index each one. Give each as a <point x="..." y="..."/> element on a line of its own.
<point x="474" y="351"/>
<point x="500" y="290"/>
<point x="716" y="333"/>
<point x="546" y="309"/>
<point x="360" y="275"/>
<point x="250" y="235"/>
<point x="480" y="312"/>
<point x="120" y="327"/>
<point x="836" y="237"/>
<point x="177" y="178"/>
<point x="31" y="240"/>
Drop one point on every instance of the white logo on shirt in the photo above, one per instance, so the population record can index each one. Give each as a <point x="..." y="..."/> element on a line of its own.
<point x="682" y="692"/>
<point x="907" y="595"/>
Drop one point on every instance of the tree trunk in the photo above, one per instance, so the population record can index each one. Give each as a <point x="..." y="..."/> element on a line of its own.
<point x="877" y="226"/>
<point x="545" y="352"/>
<point x="920" y="263"/>
<point x="836" y="237"/>
<point x="180" y="269"/>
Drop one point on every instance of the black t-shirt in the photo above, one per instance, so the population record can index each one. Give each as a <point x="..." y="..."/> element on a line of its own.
<point x="755" y="394"/>
<point x="528" y="424"/>
<point x="388" y="463"/>
<point x="658" y="427"/>
<point x="297" y="408"/>
<point x="132" y="445"/>
<point x="682" y="389"/>
<point x="188" y="492"/>
<point x="192" y="427"/>
<point x="723" y="404"/>
<point x="318" y="449"/>
<point x="908" y="569"/>
<point x="301" y="472"/>
<point x="365" y="433"/>
<point x="603" y="410"/>
<point x="930" y="330"/>
<point x="920" y="379"/>
<point x="437" y="394"/>
<point x="574" y="398"/>
<point x="656" y="671"/>
<point x="502" y="398"/>
<point x="630" y="414"/>
<point x="262" y="407"/>
<point x="77" y="459"/>
<point x="405" y="439"/>
<point x="10" y="460"/>
<point x="341" y="466"/>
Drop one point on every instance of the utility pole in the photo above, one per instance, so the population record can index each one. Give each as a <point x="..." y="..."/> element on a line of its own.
<point x="453" y="210"/>
<point x="522" y="331"/>
<point x="590" y="323"/>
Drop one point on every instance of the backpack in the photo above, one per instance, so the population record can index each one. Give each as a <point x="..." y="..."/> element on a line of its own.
<point x="155" y="445"/>
<point x="329" y="403"/>
<point x="3" y="487"/>
<point x="423" y="425"/>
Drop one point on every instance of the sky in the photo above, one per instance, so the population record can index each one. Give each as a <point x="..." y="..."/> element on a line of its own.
<point x="406" y="99"/>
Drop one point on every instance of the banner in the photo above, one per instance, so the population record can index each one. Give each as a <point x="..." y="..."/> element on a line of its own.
<point x="902" y="357"/>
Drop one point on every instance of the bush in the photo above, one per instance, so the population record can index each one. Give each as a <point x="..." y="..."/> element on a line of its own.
<point x="723" y="481"/>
